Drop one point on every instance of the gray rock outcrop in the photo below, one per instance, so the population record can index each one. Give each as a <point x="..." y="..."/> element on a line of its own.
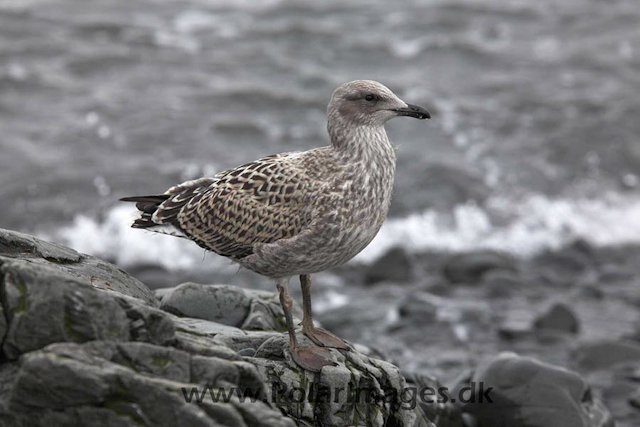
<point x="84" y="344"/>
<point x="511" y="390"/>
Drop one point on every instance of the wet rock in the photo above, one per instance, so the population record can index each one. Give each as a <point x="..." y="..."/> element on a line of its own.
<point x="611" y="273"/>
<point x="516" y="325"/>
<point x="84" y="268"/>
<point x="500" y="283"/>
<point x="564" y="268"/>
<point x="592" y="291"/>
<point x="438" y="287"/>
<point x="393" y="266"/>
<point x="418" y="309"/>
<point x="228" y="305"/>
<point x="559" y="318"/>
<point x="634" y="399"/>
<point x="511" y="390"/>
<point x="605" y="354"/>
<point x="413" y="313"/>
<point x="471" y="267"/>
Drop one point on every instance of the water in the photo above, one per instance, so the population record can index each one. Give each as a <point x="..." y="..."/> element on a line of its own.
<point x="533" y="142"/>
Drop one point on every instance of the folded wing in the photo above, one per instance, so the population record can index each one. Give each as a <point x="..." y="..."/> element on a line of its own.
<point x="258" y="202"/>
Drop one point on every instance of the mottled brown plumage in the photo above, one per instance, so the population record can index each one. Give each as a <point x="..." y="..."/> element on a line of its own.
<point x="296" y="213"/>
<point x="258" y="202"/>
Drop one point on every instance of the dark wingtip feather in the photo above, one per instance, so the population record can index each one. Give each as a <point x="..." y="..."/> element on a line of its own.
<point x="146" y="204"/>
<point x="149" y="199"/>
<point x="141" y="223"/>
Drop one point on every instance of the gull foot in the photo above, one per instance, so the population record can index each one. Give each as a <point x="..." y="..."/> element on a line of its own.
<point x="312" y="358"/>
<point x="324" y="338"/>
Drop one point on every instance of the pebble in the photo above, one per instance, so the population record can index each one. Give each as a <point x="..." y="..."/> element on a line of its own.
<point x="560" y="318"/>
<point x="605" y="354"/>
<point x="470" y="268"/>
<point x="393" y="266"/>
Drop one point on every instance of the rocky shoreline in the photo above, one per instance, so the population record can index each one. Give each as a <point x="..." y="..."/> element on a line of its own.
<point x="85" y="343"/>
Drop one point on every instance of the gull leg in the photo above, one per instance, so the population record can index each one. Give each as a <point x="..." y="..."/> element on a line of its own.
<point x="320" y="336"/>
<point x="308" y="357"/>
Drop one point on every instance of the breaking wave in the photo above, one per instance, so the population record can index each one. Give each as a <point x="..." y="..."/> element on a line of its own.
<point x="524" y="228"/>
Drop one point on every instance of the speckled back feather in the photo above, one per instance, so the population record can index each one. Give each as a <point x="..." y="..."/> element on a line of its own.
<point x="258" y="202"/>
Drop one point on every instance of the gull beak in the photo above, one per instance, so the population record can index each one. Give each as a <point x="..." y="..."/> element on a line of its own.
<point x="413" y="111"/>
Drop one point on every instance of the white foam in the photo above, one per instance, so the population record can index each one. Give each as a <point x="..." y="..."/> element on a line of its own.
<point x="112" y="238"/>
<point x="330" y="300"/>
<point x="526" y="227"/>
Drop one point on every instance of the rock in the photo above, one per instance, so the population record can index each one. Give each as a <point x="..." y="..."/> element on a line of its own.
<point x="228" y="305"/>
<point x="265" y="312"/>
<point x="563" y="268"/>
<point x="91" y="270"/>
<point x="146" y="384"/>
<point x="148" y="324"/>
<point x="438" y="287"/>
<point x="471" y="267"/>
<point x="511" y="390"/>
<point x="592" y="291"/>
<point x="329" y="398"/>
<point x="3" y="325"/>
<point x="418" y="309"/>
<point x="432" y="406"/>
<point x="516" y="325"/>
<point x="634" y="399"/>
<point x="20" y="245"/>
<point x="161" y="292"/>
<point x="611" y="273"/>
<point x="77" y="351"/>
<point x="500" y="283"/>
<point x="44" y="305"/>
<point x="393" y="266"/>
<point x="560" y="318"/>
<point x="605" y="354"/>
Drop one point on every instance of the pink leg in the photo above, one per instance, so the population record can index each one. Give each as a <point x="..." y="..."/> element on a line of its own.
<point x="308" y="357"/>
<point x="320" y="336"/>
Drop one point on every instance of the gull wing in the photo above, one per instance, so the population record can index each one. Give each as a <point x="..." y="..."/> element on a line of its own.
<point x="259" y="202"/>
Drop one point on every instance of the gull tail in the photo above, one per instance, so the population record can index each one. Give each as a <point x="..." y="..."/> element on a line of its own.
<point x="147" y="205"/>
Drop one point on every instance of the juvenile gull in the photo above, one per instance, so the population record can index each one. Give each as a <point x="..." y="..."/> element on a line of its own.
<point x="296" y="213"/>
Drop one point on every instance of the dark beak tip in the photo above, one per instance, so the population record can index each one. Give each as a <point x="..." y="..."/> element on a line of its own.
<point x="414" y="111"/>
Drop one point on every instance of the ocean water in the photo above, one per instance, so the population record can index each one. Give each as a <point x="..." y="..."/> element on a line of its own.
<point x="534" y="141"/>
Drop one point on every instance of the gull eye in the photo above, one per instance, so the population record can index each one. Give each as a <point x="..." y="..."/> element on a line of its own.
<point x="371" y="97"/>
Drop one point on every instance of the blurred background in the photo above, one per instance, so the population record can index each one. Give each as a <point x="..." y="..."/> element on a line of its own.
<point x="534" y="142"/>
<point x="534" y="139"/>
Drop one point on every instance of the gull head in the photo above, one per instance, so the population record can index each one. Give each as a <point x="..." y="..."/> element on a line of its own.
<point x="369" y="103"/>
